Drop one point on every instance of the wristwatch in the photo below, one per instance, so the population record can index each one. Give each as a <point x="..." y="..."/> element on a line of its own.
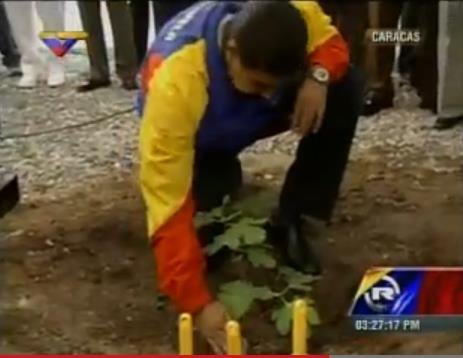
<point x="319" y="74"/>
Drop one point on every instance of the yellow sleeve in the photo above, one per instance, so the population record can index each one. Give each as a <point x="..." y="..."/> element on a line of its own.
<point x="319" y="25"/>
<point x="176" y="101"/>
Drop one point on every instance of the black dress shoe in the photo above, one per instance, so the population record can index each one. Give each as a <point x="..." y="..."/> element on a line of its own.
<point x="9" y="191"/>
<point x="14" y="72"/>
<point x="93" y="85"/>
<point x="129" y="85"/>
<point x="447" y="123"/>
<point x="293" y="243"/>
<point x="376" y="100"/>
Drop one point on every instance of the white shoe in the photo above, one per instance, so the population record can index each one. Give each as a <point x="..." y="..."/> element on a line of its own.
<point x="28" y="79"/>
<point x="56" y="75"/>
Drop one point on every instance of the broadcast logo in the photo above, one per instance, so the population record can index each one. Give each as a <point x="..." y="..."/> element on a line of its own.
<point x="382" y="296"/>
<point x="61" y="42"/>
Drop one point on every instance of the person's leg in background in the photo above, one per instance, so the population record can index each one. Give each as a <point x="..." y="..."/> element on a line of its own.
<point x="409" y="54"/>
<point x="21" y="16"/>
<point x="140" y="20"/>
<point x="450" y="71"/>
<point x="424" y="74"/>
<point x="52" y="15"/>
<point x="165" y="10"/>
<point x="351" y="18"/>
<point x="90" y="13"/>
<point x="380" y="59"/>
<point x="11" y="57"/>
<point x="124" y="47"/>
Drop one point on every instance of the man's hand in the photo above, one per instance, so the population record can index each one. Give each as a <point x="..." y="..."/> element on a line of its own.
<point x="310" y="107"/>
<point x="211" y="322"/>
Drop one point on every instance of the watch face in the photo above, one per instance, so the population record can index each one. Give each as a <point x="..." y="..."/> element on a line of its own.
<point x="321" y="75"/>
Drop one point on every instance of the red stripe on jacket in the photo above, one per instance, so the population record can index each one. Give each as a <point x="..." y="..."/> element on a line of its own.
<point x="333" y="55"/>
<point x="180" y="262"/>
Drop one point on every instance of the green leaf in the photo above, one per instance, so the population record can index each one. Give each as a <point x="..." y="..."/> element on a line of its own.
<point x="250" y="235"/>
<point x="263" y="293"/>
<point x="231" y="238"/>
<point x="217" y="212"/>
<point x="313" y="318"/>
<point x="254" y="221"/>
<point x="228" y="240"/>
<point x="254" y="235"/>
<point x="294" y="277"/>
<point x="260" y="257"/>
<point x="238" y="296"/>
<point x="238" y="234"/>
<point x="282" y="317"/>
<point x="214" y="247"/>
<point x="208" y="217"/>
<point x="203" y="219"/>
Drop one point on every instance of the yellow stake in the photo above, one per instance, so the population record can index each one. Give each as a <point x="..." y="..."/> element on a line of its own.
<point x="185" y="334"/>
<point x="299" y="327"/>
<point x="233" y="338"/>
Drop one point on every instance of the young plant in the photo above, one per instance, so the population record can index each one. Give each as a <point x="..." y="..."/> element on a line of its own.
<point x="243" y="235"/>
<point x="246" y="238"/>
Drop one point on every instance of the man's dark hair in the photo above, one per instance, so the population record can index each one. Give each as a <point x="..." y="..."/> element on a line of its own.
<point x="271" y="37"/>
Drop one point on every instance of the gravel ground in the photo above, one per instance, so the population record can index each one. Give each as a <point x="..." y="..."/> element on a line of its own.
<point x="49" y="164"/>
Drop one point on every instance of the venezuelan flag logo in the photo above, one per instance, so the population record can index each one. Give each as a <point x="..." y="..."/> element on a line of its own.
<point x="60" y="42"/>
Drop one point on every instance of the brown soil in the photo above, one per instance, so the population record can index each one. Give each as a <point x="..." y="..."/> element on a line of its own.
<point x="78" y="276"/>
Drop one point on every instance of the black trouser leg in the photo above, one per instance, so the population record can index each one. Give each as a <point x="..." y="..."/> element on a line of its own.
<point x="140" y="16"/>
<point x="165" y="10"/>
<point x="313" y="180"/>
<point x="412" y="14"/>
<point x="216" y="175"/>
<point x="90" y="14"/>
<point x="8" y="48"/>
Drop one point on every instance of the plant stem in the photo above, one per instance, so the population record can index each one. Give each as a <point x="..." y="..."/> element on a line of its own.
<point x="283" y="292"/>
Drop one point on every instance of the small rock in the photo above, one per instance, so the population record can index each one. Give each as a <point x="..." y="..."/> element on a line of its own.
<point x="376" y="177"/>
<point x="16" y="233"/>
<point x="269" y="176"/>
<point x="49" y="243"/>
<point x="23" y="302"/>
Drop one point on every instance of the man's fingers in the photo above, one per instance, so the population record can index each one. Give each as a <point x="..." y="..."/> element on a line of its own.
<point x="218" y="344"/>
